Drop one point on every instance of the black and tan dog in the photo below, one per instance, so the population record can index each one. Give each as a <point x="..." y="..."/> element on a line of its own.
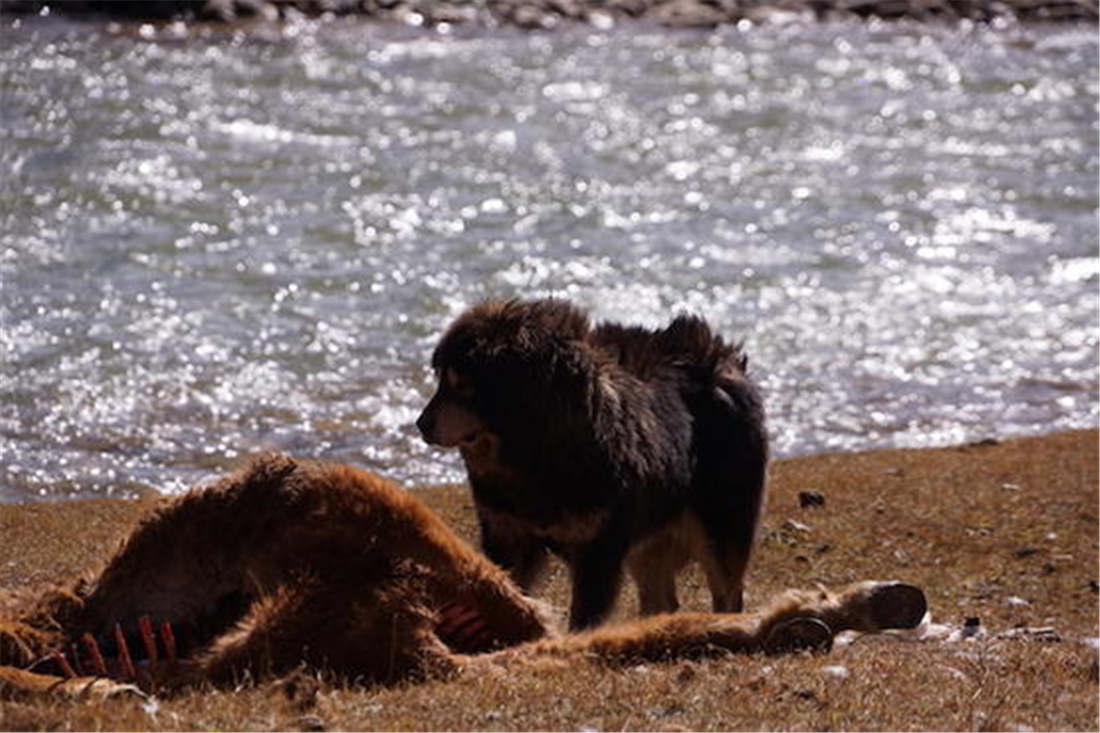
<point x="606" y="445"/>
<point x="287" y="563"/>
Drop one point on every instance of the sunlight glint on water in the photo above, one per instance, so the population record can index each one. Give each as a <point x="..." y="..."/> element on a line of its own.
<point x="213" y="246"/>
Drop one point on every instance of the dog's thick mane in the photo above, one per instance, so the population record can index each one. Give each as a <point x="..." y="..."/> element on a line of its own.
<point x="557" y="339"/>
<point x="687" y="342"/>
<point x="618" y="396"/>
<point x="510" y="330"/>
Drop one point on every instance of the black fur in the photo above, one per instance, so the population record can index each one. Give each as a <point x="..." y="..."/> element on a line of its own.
<point x="602" y="443"/>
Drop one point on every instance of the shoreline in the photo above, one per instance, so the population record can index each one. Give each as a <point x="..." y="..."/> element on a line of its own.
<point x="48" y="541"/>
<point x="536" y="15"/>
<point x="129" y="492"/>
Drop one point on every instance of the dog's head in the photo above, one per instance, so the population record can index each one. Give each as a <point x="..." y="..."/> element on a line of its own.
<point x="501" y="366"/>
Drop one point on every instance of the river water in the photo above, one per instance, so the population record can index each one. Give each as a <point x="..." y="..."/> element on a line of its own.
<point x="216" y="244"/>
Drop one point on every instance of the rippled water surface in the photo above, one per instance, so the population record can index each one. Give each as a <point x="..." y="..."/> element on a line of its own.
<point x="212" y="245"/>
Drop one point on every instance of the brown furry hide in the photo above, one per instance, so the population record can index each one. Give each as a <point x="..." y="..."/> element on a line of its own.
<point x="285" y="563"/>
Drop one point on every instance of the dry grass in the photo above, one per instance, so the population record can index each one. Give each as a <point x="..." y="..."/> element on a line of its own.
<point x="1006" y="532"/>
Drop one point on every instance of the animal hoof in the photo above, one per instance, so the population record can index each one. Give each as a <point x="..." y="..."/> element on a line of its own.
<point x="897" y="606"/>
<point x="803" y="633"/>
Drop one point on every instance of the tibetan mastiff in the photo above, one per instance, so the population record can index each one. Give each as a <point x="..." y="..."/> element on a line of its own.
<point x="606" y="445"/>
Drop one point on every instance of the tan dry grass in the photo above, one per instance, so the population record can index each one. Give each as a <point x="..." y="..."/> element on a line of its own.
<point x="1005" y="532"/>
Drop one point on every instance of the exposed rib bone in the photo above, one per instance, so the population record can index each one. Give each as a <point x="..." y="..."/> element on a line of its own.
<point x="169" y="640"/>
<point x="66" y="668"/>
<point x="145" y="628"/>
<point x="98" y="665"/>
<point x="74" y="650"/>
<point x="125" y="662"/>
<point x="463" y="625"/>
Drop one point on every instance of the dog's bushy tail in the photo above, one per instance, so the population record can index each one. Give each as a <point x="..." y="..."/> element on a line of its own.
<point x="731" y="441"/>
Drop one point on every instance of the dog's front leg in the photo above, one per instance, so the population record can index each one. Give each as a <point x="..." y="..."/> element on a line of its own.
<point x="511" y="546"/>
<point x="596" y="571"/>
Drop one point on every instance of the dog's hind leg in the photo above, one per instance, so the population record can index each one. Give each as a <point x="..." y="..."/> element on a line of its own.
<point x="730" y="484"/>
<point x="653" y="564"/>
<point x="725" y="568"/>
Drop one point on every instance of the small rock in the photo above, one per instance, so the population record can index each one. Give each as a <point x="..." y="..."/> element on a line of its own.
<point x="810" y="498"/>
<point x="686" y="14"/>
<point x="453" y="13"/>
<point x="972" y="629"/>
<point x="898" y="472"/>
<point x="567" y="8"/>
<point x="1010" y="487"/>
<point x="601" y="21"/>
<point x="836" y="671"/>
<point x="1017" y="601"/>
<point x="632" y="8"/>
<point x="218" y="10"/>
<point x="532" y="17"/>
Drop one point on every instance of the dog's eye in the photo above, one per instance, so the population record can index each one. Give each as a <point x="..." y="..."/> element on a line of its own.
<point x="459" y="383"/>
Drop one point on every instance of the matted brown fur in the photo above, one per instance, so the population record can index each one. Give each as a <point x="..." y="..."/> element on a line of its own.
<point x="285" y="563"/>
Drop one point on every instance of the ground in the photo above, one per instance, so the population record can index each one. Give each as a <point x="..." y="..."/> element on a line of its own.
<point x="1005" y="532"/>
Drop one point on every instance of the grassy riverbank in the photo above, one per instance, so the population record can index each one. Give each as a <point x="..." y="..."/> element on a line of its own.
<point x="1004" y="532"/>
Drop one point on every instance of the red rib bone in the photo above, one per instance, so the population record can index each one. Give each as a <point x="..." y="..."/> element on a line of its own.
<point x="145" y="628"/>
<point x="98" y="665"/>
<point x="169" y="640"/>
<point x="75" y="651"/>
<point x="66" y="668"/>
<point x="463" y="625"/>
<point x="126" y="664"/>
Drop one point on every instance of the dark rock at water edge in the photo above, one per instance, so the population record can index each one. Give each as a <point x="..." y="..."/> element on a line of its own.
<point x="547" y="14"/>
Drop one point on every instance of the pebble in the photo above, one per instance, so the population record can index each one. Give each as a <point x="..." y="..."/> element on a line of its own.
<point x="810" y="499"/>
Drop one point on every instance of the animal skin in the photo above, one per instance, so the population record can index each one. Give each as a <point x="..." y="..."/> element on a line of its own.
<point x="287" y="562"/>
<point x="608" y="446"/>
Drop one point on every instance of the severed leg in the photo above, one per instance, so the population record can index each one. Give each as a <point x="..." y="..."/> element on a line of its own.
<point x="796" y="620"/>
